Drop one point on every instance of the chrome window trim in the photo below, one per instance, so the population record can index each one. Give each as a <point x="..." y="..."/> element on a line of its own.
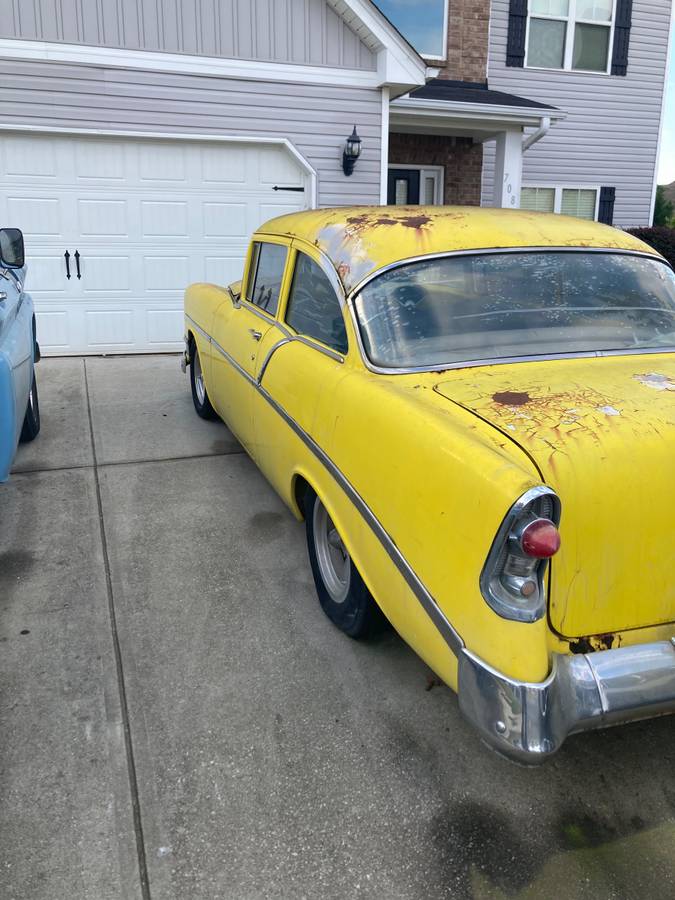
<point x="291" y="335"/>
<point x="337" y="286"/>
<point x="433" y="610"/>
<point x="499" y="360"/>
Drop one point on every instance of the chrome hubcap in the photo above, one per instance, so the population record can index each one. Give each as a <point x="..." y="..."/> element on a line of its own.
<point x="199" y="379"/>
<point x="332" y="557"/>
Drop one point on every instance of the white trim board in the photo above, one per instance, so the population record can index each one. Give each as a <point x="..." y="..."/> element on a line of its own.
<point x="158" y="61"/>
<point x="669" y="53"/>
<point x="176" y="136"/>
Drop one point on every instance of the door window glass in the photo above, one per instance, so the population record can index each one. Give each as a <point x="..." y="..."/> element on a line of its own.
<point x="267" y="272"/>
<point x="313" y="306"/>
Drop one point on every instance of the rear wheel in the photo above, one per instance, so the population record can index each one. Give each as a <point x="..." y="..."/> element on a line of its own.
<point x="200" y="398"/>
<point x="342" y="592"/>
<point x="31" y="422"/>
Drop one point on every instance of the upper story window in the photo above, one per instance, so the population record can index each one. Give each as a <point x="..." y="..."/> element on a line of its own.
<point x="313" y="306"/>
<point x="266" y="274"/>
<point x="424" y="23"/>
<point x="570" y="34"/>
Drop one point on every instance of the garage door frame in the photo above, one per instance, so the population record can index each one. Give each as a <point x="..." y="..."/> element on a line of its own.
<point x="310" y="178"/>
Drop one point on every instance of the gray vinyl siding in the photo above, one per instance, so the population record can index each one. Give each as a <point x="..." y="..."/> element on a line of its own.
<point x="316" y="118"/>
<point x="611" y="131"/>
<point x="293" y="31"/>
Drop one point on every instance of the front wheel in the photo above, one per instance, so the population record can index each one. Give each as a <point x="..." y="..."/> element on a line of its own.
<point x="342" y="592"/>
<point x="199" y="396"/>
<point x="31" y="422"/>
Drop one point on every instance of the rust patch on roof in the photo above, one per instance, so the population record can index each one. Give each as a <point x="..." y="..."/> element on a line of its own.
<point x="511" y="398"/>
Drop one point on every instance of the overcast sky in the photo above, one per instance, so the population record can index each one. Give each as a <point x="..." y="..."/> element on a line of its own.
<point x="667" y="157"/>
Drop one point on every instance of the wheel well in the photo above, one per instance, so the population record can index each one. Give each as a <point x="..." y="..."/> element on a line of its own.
<point x="301" y="487"/>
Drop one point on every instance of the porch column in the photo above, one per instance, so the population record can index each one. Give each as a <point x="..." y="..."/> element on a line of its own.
<point x="508" y="169"/>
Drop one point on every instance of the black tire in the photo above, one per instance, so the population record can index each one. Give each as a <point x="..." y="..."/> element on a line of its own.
<point x="31" y="422"/>
<point x="356" y="613"/>
<point x="200" y="397"/>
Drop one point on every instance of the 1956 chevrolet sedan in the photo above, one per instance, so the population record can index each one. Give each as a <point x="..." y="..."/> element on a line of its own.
<point x="474" y="412"/>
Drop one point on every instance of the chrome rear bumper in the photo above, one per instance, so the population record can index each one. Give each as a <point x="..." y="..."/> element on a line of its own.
<point x="529" y="722"/>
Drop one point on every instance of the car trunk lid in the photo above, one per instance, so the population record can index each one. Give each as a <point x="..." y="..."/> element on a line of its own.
<point x="602" y="433"/>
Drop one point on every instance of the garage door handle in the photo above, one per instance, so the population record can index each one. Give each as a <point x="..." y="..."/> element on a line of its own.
<point x="67" y="259"/>
<point x="77" y="263"/>
<point x="256" y="335"/>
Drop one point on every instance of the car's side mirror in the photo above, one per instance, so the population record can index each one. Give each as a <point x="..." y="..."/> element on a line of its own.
<point x="235" y="298"/>
<point x="12" y="254"/>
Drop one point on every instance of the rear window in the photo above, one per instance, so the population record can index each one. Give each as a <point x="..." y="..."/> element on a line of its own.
<point x="500" y="305"/>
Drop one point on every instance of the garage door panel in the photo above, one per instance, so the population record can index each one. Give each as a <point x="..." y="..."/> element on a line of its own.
<point x="39" y="217"/>
<point x="110" y="328"/>
<point x="105" y="274"/>
<point x="164" y="218"/>
<point x="167" y="274"/>
<point x="147" y="217"/>
<point x="100" y="161"/>
<point x="97" y="217"/>
<point x="24" y="158"/>
<point x="223" y="165"/>
<point x="163" y="324"/>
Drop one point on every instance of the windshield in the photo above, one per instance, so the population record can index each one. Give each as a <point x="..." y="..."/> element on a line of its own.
<point x="492" y="306"/>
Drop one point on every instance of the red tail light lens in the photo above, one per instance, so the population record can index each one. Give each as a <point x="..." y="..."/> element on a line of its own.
<point x="540" y="539"/>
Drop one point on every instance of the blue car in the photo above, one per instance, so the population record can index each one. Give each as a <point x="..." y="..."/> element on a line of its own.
<point x="19" y="351"/>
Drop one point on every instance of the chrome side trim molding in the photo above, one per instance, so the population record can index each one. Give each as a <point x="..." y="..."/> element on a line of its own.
<point x="270" y="353"/>
<point x="433" y="610"/>
<point x="529" y="722"/>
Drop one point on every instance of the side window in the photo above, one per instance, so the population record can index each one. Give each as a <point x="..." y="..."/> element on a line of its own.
<point x="313" y="306"/>
<point x="267" y="272"/>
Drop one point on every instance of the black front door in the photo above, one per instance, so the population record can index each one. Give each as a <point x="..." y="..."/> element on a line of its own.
<point x="403" y="187"/>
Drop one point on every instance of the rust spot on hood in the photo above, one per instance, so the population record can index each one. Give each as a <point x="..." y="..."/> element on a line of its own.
<point x="511" y="398"/>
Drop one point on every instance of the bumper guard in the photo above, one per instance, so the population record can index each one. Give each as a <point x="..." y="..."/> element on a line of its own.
<point x="529" y="722"/>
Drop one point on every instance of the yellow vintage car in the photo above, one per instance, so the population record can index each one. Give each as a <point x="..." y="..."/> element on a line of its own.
<point x="473" y="410"/>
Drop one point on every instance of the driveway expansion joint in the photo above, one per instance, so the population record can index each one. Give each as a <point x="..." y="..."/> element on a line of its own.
<point x="128" y="743"/>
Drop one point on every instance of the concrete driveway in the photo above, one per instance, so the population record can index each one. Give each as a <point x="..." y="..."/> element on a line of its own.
<point x="180" y="720"/>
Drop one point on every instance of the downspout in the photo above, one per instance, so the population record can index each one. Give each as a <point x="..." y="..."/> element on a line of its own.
<point x="544" y="125"/>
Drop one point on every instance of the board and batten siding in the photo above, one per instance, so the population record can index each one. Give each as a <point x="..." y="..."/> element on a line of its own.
<point x="315" y="118"/>
<point x="294" y="31"/>
<point x="611" y="131"/>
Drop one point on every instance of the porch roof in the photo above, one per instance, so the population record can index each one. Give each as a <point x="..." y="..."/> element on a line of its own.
<point x="466" y="108"/>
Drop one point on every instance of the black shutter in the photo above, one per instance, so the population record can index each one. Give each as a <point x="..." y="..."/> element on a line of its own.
<point x="606" y="205"/>
<point x="515" y="44"/>
<point x="624" y="10"/>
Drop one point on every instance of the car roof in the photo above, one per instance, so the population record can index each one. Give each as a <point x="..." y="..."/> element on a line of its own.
<point x="360" y="240"/>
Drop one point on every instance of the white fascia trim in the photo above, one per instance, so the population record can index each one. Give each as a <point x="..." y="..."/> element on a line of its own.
<point x="310" y="171"/>
<point x="669" y="51"/>
<point x="485" y="112"/>
<point x="179" y="63"/>
<point x="398" y="62"/>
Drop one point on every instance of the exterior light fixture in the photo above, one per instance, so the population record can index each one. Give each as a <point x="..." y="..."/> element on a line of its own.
<point x="351" y="152"/>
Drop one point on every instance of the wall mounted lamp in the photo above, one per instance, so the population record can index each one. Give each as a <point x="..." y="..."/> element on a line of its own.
<point x="351" y="152"/>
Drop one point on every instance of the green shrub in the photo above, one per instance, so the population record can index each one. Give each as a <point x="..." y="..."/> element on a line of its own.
<point x="660" y="237"/>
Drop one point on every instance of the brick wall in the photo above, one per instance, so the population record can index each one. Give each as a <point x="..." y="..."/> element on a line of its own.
<point x="462" y="159"/>
<point x="468" y="23"/>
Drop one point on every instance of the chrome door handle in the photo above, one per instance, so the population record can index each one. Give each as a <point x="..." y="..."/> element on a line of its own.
<point x="256" y="335"/>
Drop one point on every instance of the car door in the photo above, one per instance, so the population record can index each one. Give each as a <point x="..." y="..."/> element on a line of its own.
<point x="300" y="365"/>
<point x="240" y="329"/>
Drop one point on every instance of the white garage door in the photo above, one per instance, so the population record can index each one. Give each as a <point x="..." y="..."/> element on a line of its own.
<point x="139" y="220"/>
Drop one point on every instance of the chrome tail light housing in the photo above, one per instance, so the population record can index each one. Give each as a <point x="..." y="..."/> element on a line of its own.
<point x="513" y="580"/>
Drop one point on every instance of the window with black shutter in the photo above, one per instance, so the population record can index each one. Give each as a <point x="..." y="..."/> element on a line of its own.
<point x="515" y="43"/>
<point x="606" y="205"/>
<point x="624" y="12"/>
